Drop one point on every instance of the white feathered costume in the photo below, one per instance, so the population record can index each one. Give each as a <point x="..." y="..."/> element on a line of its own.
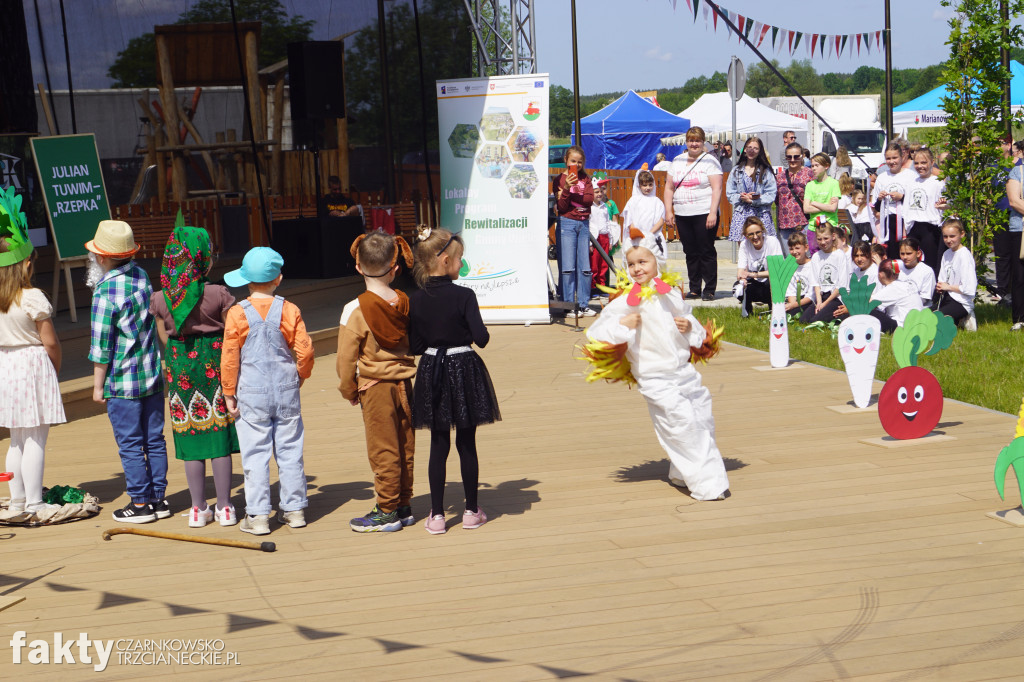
<point x="658" y="358"/>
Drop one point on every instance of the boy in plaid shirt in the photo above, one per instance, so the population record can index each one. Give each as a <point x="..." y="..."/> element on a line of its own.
<point x="126" y="370"/>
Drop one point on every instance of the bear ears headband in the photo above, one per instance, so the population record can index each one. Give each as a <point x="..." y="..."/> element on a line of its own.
<point x="401" y="247"/>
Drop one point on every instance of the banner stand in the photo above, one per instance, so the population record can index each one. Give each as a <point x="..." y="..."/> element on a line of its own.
<point x="66" y="266"/>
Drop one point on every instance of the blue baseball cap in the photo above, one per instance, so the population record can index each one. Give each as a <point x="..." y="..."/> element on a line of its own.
<point x="261" y="264"/>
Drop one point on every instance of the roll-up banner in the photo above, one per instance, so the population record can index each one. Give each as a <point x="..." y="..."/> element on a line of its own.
<point x="494" y="169"/>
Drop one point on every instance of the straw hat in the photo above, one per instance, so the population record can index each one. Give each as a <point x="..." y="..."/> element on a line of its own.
<point x="114" y="239"/>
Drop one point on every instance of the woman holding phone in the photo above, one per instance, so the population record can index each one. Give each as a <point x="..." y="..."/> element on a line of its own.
<point x="575" y="197"/>
<point x="751" y="190"/>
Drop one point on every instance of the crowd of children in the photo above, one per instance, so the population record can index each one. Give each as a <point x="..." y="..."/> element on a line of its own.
<point x="233" y="371"/>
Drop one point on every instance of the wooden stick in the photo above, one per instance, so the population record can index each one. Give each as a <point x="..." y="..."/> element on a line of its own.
<point x="8" y="603"/>
<point x="46" y="109"/>
<point x="262" y="546"/>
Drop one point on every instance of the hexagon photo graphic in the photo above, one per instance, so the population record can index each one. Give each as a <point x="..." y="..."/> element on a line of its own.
<point x="464" y="140"/>
<point x="493" y="160"/>
<point x="525" y="144"/>
<point x="521" y="181"/>
<point x="496" y="124"/>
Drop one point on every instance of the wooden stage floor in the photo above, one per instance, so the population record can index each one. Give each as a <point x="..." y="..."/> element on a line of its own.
<point x="833" y="559"/>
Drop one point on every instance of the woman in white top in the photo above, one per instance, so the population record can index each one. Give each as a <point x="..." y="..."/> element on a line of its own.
<point x="958" y="280"/>
<point x="890" y="188"/>
<point x="752" y="277"/>
<point x="920" y="213"/>
<point x="897" y="297"/>
<point x="693" y="191"/>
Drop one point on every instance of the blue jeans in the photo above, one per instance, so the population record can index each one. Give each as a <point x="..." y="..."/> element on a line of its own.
<point x="575" y="249"/>
<point x="139" y="432"/>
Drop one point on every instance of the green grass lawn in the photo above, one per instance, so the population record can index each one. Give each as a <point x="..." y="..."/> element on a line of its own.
<point x="982" y="368"/>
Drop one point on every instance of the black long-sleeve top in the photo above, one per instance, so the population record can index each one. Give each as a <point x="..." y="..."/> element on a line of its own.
<point x="445" y="315"/>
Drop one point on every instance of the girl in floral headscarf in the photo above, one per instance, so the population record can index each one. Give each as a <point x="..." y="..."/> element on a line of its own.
<point x="191" y="313"/>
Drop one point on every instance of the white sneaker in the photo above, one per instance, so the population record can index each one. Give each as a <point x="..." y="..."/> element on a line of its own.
<point x="971" y="324"/>
<point x="587" y="312"/>
<point x="294" y="519"/>
<point x="226" y="516"/>
<point x="197" y="518"/>
<point x="17" y="505"/>
<point x="256" y="525"/>
<point x="1017" y="326"/>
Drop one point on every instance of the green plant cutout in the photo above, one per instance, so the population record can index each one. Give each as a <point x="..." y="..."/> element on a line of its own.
<point x="910" y="404"/>
<point x="857" y="298"/>
<point x="922" y="327"/>
<point x="780" y="273"/>
<point x="1012" y="456"/>
<point x="464" y="270"/>
<point x="859" y="336"/>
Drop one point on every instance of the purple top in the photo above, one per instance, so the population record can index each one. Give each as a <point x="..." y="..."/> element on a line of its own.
<point x="206" y="318"/>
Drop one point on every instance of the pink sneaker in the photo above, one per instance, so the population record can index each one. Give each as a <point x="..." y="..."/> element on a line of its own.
<point x="474" y="519"/>
<point x="435" y="525"/>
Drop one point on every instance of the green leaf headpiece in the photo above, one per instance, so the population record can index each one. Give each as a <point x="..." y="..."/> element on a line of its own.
<point x="14" y="241"/>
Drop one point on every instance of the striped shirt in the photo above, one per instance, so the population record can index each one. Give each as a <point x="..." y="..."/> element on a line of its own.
<point x="124" y="334"/>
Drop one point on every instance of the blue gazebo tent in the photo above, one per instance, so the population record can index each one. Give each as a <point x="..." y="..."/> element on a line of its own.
<point x="926" y="111"/>
<point x="627" y="133"/>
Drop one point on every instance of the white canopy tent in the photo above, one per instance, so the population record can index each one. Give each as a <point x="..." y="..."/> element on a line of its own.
<point x="713" y="113"/>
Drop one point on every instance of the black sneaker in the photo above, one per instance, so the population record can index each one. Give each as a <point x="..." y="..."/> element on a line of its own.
<point x="135" y="514"/>
<point x="405" y="515"/>
<point x="691" y="294"/>
<point x="161" y="509"/>
<point x="376" y="521"/>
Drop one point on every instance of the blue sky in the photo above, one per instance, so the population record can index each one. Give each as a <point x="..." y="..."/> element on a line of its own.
<point x="639" y="44"/>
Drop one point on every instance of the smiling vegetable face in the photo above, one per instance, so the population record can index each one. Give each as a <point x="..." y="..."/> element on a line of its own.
<point x="910" y="404"/>
<point x="779" y="327"/>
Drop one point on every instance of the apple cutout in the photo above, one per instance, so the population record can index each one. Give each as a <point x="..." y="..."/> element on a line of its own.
<point x="910" y="403"/>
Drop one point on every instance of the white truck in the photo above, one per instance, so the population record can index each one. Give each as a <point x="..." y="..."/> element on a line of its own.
<point x="854" y="117"/>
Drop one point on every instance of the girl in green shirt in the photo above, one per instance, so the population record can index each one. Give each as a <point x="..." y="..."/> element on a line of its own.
<point x="821" y="198"/>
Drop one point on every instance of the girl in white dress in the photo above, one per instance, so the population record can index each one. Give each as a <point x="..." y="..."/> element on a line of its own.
<point x="29" y="361"/>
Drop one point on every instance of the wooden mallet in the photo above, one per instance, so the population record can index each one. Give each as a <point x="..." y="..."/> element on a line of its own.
<point x="262" y="546"/>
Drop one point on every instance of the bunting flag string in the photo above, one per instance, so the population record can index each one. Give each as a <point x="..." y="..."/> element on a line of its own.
<point x="756" y="32"/>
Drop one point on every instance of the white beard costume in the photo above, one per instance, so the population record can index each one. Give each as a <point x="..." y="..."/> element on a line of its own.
<point x="678" y="402"/>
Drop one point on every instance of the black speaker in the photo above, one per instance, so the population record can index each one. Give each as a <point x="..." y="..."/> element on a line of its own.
<point x="316" y="248"/>
<point x="316" y="79"/>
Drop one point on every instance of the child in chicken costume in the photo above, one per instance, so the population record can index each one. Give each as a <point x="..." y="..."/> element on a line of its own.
<point x="648" y="335"/>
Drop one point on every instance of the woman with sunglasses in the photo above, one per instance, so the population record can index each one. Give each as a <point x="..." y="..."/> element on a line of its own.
<point x="751" y="189"/>
<point x="791" y="181"/>
<point x="752" y="277"/>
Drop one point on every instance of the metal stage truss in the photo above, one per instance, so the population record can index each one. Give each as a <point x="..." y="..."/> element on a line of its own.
<point x="505" y="38"/>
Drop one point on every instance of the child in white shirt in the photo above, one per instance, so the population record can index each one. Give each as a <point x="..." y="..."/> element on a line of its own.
<point x="832" y="270"/>
<point x="922" y="278"/>
<point x="603" y="228"/>
<point x="803" y="291"/>
<point x="862" y="263"/>
<point x="958" y="279"/>
<point x="863" y="218"/>
<point x="645" y="212"/>
<point x="920" y="212"/>
<point x="897" y="297"/>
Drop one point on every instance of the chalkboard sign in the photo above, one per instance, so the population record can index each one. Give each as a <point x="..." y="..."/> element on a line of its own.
<point x="76" y="200"/>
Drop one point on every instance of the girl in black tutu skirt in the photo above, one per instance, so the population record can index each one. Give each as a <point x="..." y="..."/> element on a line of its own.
<point x="453" y="389"/>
